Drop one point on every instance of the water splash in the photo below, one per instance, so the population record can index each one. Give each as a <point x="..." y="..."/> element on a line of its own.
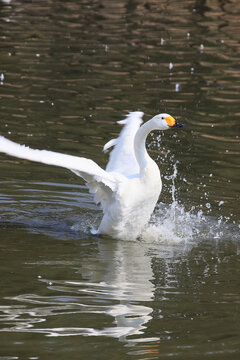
<point x="173" y="224"/>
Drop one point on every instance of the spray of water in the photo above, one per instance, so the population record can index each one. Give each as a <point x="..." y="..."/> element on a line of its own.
<point x="173" y="224"/>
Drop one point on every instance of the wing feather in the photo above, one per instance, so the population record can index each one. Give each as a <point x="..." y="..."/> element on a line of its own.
<point x="122" y="158"/>
<point x="100" y="182"/>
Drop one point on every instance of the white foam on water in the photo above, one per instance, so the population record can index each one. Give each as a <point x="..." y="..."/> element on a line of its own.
<point x="173" y="224"/>
<point x="87" y="223"/>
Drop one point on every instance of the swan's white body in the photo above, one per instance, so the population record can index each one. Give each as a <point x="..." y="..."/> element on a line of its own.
<point x="128" y="189"/>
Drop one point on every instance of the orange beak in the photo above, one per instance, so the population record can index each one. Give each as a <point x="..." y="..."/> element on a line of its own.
<point x="170" y="121"/>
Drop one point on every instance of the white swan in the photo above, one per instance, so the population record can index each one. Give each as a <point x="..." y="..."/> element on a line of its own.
<point x="128" y="189"/>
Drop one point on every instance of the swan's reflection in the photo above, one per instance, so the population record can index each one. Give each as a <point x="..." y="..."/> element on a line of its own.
<point x="115" y="283"/>
<point x="127" y="269"/>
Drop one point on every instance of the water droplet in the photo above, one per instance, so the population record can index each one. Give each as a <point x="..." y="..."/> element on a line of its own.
<point x="50" y="283"/>
<point x="39" y="276"/>
<point x="162" y="41"/>
<point x="170" y="66"/>
<point x="177" y="87"/>
<point x="201" y="47"/>
<point x="38" y="55"/>
<point x="2" y="77"/>
<point x="188" y="35"/>
<point x="192" y="70"/>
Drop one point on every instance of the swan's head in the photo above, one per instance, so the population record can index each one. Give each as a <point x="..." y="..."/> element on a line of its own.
<point x="165" y="121"/>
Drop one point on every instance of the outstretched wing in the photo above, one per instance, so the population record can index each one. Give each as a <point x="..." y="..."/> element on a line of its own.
<point x="100" y="182"/>
<point x="122" y="158"/>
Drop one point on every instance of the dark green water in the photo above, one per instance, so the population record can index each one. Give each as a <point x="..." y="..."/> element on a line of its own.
<point x="68" y="71"/>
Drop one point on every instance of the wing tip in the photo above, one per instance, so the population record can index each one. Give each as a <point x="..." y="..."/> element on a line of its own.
<point x="133" y="115"/>
<point x="109" y="144"/>
<point x="122" y="122"/>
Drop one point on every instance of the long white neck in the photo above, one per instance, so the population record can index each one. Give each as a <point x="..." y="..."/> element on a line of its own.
<point x="140" y="144"/>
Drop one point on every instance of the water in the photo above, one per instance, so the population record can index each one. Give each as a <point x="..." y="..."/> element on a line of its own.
<point x="68" y="72"/>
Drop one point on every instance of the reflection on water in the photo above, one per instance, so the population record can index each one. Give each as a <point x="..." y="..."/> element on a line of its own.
<point x="118" y="290"/>
<point x="134" y="292"/>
